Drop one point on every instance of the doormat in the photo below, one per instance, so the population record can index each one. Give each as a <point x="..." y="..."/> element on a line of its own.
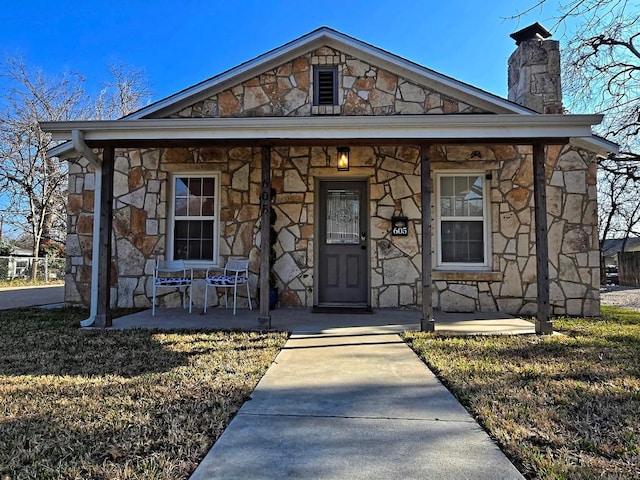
<point x="342" y="310"/>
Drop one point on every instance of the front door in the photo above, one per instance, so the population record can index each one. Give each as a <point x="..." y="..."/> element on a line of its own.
<point x="343" y="260"/>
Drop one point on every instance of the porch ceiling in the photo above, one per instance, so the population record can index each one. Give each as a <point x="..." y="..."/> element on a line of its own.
<point x="458" y="128"/>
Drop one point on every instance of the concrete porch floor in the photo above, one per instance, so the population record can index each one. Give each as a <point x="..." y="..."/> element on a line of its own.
<point x="301" y="320"/>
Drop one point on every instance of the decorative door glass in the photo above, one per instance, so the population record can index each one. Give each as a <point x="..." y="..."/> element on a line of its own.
<point x="343" y="217"/>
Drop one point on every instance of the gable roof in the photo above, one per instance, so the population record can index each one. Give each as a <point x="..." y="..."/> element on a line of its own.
<point x="327" y="37"/>
<point x="322" y="37"/>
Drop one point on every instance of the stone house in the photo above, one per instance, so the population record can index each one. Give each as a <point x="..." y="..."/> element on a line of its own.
<point x="453" y="198"/>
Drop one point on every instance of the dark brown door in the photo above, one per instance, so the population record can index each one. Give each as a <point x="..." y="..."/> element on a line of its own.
<point x="343" y="244"/>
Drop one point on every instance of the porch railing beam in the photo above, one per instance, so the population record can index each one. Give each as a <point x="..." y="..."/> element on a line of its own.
<point x="265" y="232"/>
<point x="427" y="323"/>
<point x="543" y="323"/>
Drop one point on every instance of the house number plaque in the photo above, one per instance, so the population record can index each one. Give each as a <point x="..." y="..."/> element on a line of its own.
<point x="399" y="226"/>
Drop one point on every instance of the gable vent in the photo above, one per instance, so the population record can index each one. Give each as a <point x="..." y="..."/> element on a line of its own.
<point x="326" y="86"/>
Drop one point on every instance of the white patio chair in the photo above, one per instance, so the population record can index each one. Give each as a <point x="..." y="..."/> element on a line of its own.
<point x="235" y="273"/>
<point x="172" y="274"/>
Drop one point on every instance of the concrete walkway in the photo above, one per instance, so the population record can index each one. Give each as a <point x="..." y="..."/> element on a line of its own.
<point x="16" y="297"/>
<point x="352" y="403"/>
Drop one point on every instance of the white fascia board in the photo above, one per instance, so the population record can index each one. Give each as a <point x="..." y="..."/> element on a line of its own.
<point x="503" y="126"/>
<point x="63" y="151"/>
<point x="600" y="146"/>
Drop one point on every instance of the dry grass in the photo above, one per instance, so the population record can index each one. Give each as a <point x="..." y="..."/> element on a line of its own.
<point x="565" y="406"/>
<point x="117" y="404"/>
<point x="21" y="282"/>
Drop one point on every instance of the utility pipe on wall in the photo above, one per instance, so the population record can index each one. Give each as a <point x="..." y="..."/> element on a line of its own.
<point x="79" y="145"/>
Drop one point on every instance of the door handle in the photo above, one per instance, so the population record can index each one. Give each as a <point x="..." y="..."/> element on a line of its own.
<point x="363" y="236"/>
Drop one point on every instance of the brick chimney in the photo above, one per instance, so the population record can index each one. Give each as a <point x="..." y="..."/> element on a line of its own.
<point x="534" y="70"/>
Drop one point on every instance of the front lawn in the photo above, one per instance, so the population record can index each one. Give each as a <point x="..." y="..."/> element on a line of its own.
<point x="562" y="406"/>
<point x="133" y="404"/>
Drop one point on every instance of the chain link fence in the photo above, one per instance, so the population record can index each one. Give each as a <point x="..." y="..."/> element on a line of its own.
<point x="47" y="269"/>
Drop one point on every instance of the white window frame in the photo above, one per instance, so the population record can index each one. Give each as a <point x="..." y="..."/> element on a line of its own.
<point x="171" y="217"/>
<point x="486" y="221"/>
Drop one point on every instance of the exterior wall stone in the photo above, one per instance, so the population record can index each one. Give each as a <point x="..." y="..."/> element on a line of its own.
<point x="573" y="235"/>
<point x="393" y="173"/>
<point x="141" y="214"/>
<point x="363" y="89"/>
<point x="534" y="75"/>
<point x="79" y="232"/>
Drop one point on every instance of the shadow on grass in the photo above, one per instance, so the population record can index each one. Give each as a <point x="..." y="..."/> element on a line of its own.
<point x="115" y="427"/>
<point x="117" y="404"/>
<point x="173" y="433"/>
<point x="51" y="342"/>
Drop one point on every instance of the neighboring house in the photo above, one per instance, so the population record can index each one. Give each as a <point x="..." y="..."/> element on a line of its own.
<point x="21" y="252"/>
<point x="621" y="267"/>
<point x="16" y="265"/>
<point x="462" y="173"/>
<point x="20" y="265"/>
<point x="611" y="247"/>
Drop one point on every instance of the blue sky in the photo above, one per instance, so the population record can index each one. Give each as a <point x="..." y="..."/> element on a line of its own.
<point x="179" y="43"/>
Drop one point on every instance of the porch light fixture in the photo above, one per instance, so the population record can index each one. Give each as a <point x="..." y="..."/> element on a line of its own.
<point x="343" y="159"/>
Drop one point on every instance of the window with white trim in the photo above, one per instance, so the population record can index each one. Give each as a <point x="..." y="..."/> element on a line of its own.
<point x="462" y="220"/>
<point x="194" y="224"/>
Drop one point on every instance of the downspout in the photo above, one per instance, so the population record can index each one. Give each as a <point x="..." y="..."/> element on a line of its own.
<point x="79" y="145"/>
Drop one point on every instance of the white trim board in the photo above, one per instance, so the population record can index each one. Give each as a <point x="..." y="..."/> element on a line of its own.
<point x="499" y="126"/>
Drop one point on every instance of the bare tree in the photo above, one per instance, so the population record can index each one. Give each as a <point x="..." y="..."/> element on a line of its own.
<point x="34" y="184"/>
<point x="126" y="91"/>
<point x="601" y="73"/>
<point x="618" y="201"/>
<point x="611" y="191"/>
<point x="601" y="67"/>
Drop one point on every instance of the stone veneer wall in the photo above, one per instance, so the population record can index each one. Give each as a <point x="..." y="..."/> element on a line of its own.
<point x="394" y="176"/>
<point x="363" y="89"/>
<point x="140" y="220"/>
<point x="573" y="235"/>
<point x="394" y="186"/>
